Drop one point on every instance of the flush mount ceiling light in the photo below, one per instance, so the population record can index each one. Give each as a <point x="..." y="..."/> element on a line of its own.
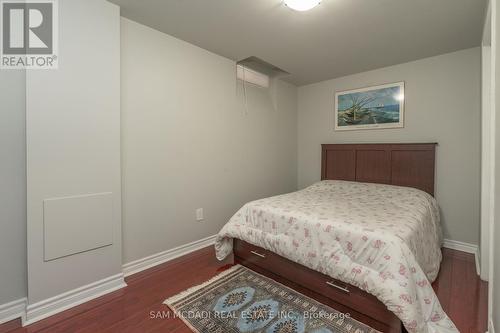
<point x="301" y="5"/>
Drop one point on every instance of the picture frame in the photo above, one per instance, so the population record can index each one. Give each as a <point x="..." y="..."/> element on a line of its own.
<point x="374" y="107"/>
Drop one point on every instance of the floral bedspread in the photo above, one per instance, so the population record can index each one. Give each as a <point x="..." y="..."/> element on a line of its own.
<point x="383" y="239"/>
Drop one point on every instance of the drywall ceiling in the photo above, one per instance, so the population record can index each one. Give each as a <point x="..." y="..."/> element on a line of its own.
<point x="337" y="38"/>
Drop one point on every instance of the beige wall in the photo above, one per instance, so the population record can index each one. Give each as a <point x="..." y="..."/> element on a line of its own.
<point x="188" y="142"/>
<point x="12" y="186"/>
<point x="442" y="105"/>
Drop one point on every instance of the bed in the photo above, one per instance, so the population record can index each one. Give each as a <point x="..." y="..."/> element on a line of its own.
<point x="367" y="236"/>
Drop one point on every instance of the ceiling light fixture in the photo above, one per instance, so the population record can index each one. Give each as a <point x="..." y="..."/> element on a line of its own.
<point x="301" y="5"/>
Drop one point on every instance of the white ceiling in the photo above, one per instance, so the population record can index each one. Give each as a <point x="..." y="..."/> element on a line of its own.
<point x="337" y="38"/>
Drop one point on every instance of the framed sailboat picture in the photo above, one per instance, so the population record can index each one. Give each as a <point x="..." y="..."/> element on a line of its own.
<point x="375" y="107"/>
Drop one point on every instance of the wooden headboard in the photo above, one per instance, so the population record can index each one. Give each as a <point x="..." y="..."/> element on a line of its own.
<point x="403" y="164"/>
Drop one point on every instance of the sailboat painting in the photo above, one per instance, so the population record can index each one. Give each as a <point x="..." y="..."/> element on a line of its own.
<point x="375" y="107"/>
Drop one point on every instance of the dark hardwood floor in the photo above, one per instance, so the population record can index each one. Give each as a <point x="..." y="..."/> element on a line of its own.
<point x="462" y="294"/>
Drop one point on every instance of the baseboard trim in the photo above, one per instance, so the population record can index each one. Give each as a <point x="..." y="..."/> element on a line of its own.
<point x="13" y="310"/>
<point x="137" y="266"/>
<point x="465" y="247"/>
<point x="477" y="258"/>
<point x="67" y="300"/>
<point x="460" y="246"/>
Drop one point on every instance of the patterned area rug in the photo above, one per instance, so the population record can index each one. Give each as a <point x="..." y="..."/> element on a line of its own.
<point x="240" y="300"/>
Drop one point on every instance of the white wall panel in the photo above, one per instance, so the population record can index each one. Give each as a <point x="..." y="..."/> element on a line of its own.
<point x="12" y="186"/>
<point x="73" y="145"/>
<point x="77" y="224"/>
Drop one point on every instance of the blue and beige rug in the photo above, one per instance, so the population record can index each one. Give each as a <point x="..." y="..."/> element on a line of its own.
<point x="239" y="300"/>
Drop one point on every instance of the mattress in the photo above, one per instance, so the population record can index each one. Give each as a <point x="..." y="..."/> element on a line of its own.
<point x="382" y="239"/>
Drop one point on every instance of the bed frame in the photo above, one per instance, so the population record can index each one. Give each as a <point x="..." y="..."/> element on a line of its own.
<point x="411" y="165"/>
<point x="403" y="164"/>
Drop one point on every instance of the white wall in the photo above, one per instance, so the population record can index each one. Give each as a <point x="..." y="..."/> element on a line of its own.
<point x="487" y="163"/>
<point x="188" y="143"/>
<point x="494" y="282"/>
<point x="12" y="186"/>
<point x="487" y="146"/>
<point x="73" y="149"/>
<point x="442" y="105"/>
